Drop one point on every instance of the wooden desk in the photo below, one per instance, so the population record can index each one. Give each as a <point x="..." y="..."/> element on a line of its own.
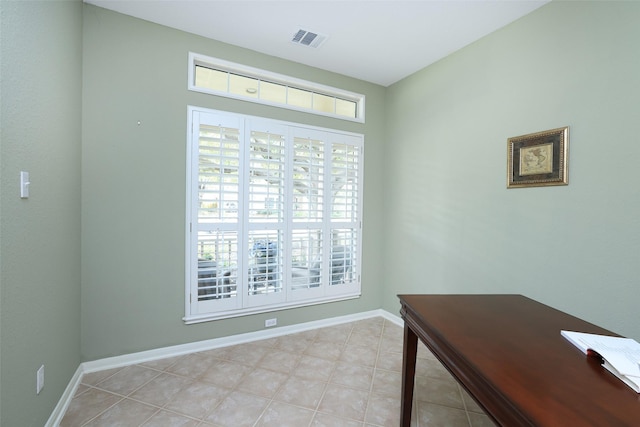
<point x="507" y="352"/>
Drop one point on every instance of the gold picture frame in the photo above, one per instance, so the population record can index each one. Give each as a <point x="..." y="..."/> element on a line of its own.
<point x="538" y="159"/>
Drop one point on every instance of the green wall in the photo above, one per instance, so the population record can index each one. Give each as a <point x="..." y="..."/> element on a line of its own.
<point x="133" y="183"/>
<point x="39" y="236"/>
<point x="450" y="221"/>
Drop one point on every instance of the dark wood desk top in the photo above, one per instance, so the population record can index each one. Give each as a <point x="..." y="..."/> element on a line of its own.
<point x="507" y="351"/>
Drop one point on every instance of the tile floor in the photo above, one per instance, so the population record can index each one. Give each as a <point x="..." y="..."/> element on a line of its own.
<point x="339" y="376"/>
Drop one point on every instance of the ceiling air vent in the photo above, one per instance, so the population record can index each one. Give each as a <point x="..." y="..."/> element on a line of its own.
<point x="308" y="38"/>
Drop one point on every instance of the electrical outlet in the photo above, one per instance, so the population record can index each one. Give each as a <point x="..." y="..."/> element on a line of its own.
<point x="270" y="322"/>
<point x="40" y="379"/>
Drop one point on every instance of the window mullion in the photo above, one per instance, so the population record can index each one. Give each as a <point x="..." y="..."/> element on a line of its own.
<point x="288" y="213"/>
<point x="328" y="209"/>
<point x="243" y="208"/>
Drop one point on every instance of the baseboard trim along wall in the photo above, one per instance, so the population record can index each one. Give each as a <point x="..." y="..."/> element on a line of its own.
<point x="65" y="399"/>
<point x="182" y="349"/>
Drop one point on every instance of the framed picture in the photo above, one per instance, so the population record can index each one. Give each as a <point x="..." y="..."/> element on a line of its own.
<point x="538" y="159"/>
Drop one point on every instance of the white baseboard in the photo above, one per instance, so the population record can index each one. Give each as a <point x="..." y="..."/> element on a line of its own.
<point x="182" y="349"/>
<point x="61" y="408"/>
<point x="391" y="317"/>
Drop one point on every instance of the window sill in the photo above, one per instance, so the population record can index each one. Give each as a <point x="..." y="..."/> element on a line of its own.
<point x="208" y="317"/>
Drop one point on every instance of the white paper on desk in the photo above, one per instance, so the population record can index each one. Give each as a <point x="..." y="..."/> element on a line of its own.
<point x="622" y="353"/>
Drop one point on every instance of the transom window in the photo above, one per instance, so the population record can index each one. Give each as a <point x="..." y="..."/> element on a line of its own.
<point x="273" y="215"/>
<point x="223" y="78"/>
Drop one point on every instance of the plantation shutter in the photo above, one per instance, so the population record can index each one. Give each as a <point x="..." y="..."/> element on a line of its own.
<point x="345" y="211"/>
<point x="217" y="203"/>
<point x="307" y="229"/>
<point x="273" y="218"/>
<point x="266" y="213"/>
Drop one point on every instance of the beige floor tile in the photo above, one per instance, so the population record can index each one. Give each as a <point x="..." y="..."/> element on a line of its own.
<point x="267" y="342"/>
<point x="326" y="420"/>
<point x="81" y="389"/>
<point x="392" y="330"/>
<point x="161" y="389"/>
<point x="469" y="403"/>
<point x="88" y="405"/>
<point x="129" y="379"/>
<point x="125" y="413"/>
<point x="364" y="339"/>
<point x="441" y="392"/>
<point x="226" y="373"/>
<point x="94" y="378"/>
<point x="383" y="411"/>
<point x="279" y="360"/>
<point x="219" y="353"/>
<point x="314" y="368"/>
<point x="387" y="383"/>
<point x="432" y="415"/>
<point x="325" y="350"/>
<point x="359" y="355"/>
<point x="389" y="360"/>
<point x="191" y="365"/>
<point x="262" y="382"/>
<point x="280" y="414"/>
<point x="310" y="334"/>
<point x="353" y="376"/>
<point x="161" y="364"/>
<point x="335" y="334"/>
<point x="197" y="399"/>
<point x="344" y="402"/>
<point x="431" y="368"/>
<point x="301" y="392"/>
<point x="367" y="330"/>
<point x="238" y="410"/>
<point x="295" y="343"/>
<point x="169" y="419"/>
<point x="424" y="352"/>
<point x="373" y="321"/>
<point x="347" y="375"/>
<point x="248" y="354"/>
<point x="480" y="420"/>
<point x="391" y="344"/>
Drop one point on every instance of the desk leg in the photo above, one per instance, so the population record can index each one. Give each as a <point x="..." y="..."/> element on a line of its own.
<point x="408" y="375"/>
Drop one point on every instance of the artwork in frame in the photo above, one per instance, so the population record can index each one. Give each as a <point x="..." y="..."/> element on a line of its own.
<point x="538" y="159"/>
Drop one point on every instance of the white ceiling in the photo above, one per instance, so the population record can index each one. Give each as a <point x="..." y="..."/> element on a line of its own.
<point x="380" y="41"/>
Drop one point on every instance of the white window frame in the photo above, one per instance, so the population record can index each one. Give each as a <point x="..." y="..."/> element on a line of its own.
<point x="243" y="303"/>
<point x="196" y="59"/>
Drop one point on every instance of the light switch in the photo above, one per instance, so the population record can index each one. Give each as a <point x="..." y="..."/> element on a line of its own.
<point x="24" y="185"/>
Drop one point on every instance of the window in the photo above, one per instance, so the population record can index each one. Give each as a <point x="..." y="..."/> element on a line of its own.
<point x="223" y="78"/>
<point x="273" y="215"/>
